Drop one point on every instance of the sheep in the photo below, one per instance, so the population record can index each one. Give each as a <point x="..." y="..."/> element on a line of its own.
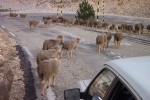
<point x="69" y="22"/>
<point x="123" y="27"/>
<point x="90" y="22"/>
<point x="70" y="45"/>
<point x="47" y="22"/>
<point x="109" y="36"/>
<point x="23" y="15"/>
<point x="101" y="41"/>
<point x="5" y="85"/>
<point x="76" y="22"/>
<point x="129" y="28"/>
<point x="60" y="19"/>
<point x="118" y="38"/>
<point x="139" y="28"/>
<point x="83" y="22"/>
<point x="13" y="14"/>
<point x="112" y="27"/>
<point x="148" y="28"/>
<point x="33" y="23"/>
<point x="47" y="71"/>
<point x="97" y="24"/>
<point x="47" y="18"/>
<point x="47" y="54"/>
<point x="105" y="25"/>
<point x="54" y="19"/>
<point x="48" y="44"/>
<point x="142" y="27"/>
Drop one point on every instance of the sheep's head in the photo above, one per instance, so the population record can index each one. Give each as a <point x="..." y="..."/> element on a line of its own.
<point x="78" y="40"/>
<point x="58" y="48"/>
<point x="60" y="37"/>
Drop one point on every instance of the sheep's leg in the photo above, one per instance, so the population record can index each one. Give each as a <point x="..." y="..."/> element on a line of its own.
<point x="62" y="51"/>
<point x="50" y="81"/>
<point x="68" y="54"/>
<point x="99" y="48"/>
<point x="53" y="81"/>
<point x="44" y="85"/>
<point x="107" y="44"/>
<point x="71" y="53"/>
<point x="115" y="44"/>
<point x="118" y="44"/>
<point x="131" y="32"/>
<point x="139" y="32"/>
<point x="30" y="26"/>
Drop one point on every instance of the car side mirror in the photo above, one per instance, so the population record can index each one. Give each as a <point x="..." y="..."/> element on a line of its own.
<point x="72" y="94"/>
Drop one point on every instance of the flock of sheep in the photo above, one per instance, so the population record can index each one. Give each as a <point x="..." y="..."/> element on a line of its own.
<point x="49" y="58"/>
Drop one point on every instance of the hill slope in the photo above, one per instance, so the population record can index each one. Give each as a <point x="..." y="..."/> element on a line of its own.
<point x="139" y="8"/>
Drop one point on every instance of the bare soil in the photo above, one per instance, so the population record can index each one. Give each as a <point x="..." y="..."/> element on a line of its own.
<point x="11" y="57"/>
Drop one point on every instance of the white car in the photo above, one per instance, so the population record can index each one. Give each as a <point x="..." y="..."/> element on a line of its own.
<point x="121" y="79"/>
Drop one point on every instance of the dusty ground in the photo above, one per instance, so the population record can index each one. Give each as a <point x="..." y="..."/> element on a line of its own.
<point x="9" y="59"/>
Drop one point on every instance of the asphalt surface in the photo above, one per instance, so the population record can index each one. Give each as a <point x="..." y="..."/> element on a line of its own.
<point x="86" y="62"/>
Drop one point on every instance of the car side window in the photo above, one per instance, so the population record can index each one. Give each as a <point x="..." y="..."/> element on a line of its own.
<point x="122" y="93"/>
<point x="102" y="83"/>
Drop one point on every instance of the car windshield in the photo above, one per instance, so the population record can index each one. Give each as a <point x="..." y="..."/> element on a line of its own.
<point x="102" y="83"/>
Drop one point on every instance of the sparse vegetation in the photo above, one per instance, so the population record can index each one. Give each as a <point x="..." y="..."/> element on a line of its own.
<point x="85" y="11"/>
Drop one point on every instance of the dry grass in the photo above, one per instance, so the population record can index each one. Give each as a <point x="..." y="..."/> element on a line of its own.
<point x="10" y="60"/>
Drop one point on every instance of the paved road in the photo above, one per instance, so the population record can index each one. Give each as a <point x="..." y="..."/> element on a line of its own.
<point x="85" y="62"/>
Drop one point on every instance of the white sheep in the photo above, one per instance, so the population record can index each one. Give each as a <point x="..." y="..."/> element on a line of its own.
<point x="47" y="71"/>
<point x="70" y="45"/>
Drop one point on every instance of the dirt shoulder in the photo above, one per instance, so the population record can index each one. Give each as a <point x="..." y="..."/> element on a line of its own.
<point x="11" y="57"/>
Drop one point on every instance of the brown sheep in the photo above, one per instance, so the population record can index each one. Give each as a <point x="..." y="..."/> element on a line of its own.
<point x="83" y="22"/>
<point x="47" y="54"/>
<point x="101" y="41"/>
<point x="13" y="14"/>
<point x="47" y="71"/>
<point x="118" y="38"/>
<point x="112" y="27"/>
<point x="60" y="19"/>
<point x="142" y="27"/>
<point x="70" y="45"/>
<point x="33" y="23"/>
<point x="76" y="22"/>
<point x="47" y="18"/>
<point x="98" y="24"/>
<point x="90" y="22"/>
<point x="109" y="36"/>
<point x="69" y="22"/>
<point x="139" y="28"/>
<point x="130" y="28"/>
<point x="5" y="85"/>
<point x="123" y="27"/>
<point x="23" y="15"/>
<point x="48" y="44"/>
<point x="105" y="25"/>
<point x="47" y="22"/>
<point x="148" y="28"/>
<point x="54" y="19"/>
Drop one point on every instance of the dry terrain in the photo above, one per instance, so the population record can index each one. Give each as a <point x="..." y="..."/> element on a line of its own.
<point x="9" y="59"/>
<point x="138" y="8"/>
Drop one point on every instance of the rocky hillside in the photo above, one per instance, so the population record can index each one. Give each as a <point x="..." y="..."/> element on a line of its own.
<point x="139" y="8"/>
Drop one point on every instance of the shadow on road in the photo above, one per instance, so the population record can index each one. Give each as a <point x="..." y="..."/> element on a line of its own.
<point x="28" y="77"/>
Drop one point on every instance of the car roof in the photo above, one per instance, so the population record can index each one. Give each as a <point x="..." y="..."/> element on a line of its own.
<point x="136" y="71"/>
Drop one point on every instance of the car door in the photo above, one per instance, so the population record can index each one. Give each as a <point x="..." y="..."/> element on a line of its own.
<point x="100" y="86"/>
<point x="122" y="91"/>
